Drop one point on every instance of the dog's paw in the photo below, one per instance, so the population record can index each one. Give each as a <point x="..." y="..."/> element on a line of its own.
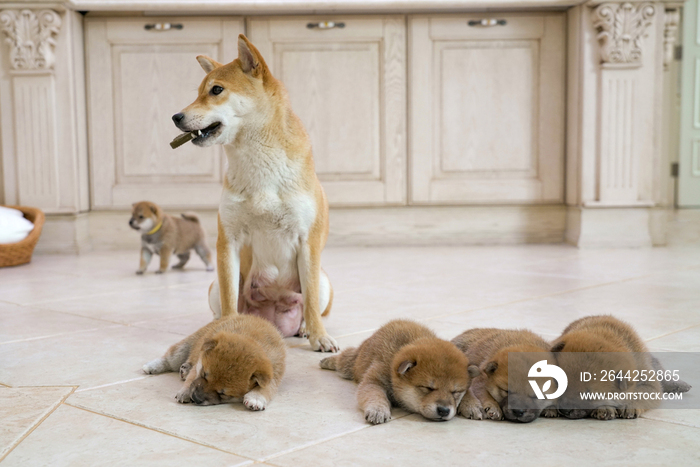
<point x="254" y="401"/>
<point x="328" y="363"/>
<point x="377" y="415"/>
<point x="154" y="367"/>
<point x="302" y="331"/>
<point x="184" y="395"/>
<point x="550" y="412"/>
<point x="140" y="271"/>
<point x="179" y="266"/>
<point x="324" y="344"/>
<point x="210" y="268"/>
<point x="471" y="411"/>
<point x="493" y="411"/>
<point x="160" y="271"/>
<point x="604" y="413"/>
<point x="629" y="412"/>
<point x="185" y="370"/>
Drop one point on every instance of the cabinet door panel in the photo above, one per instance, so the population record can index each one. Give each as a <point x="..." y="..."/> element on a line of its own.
<point x="487" y="110"/>
<point x="137" y="80"/>
<point x="348" y="87"/>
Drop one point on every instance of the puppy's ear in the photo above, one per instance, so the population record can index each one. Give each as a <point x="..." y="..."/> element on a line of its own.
<point x="207" y="64"/>
<point x="473" y="371"/>
<point x="405" y="366"/>
<point x="558" y="347"/>
<point x="208" y="345"/>
<point x="154" y="209"/>
<point x="250" y="58"/>
<point x="491" y="368"/>
<point x="262" y="376"/>
<point x="133" y="205"/>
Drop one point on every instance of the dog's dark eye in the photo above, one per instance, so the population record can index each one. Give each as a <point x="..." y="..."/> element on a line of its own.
<point x="140" y="217"/>
<point x="427" y="389"/>
<point x="216" y="90"/>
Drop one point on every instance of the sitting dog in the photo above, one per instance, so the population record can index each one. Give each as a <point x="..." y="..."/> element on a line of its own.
<point x="404" y="364"/>
<point x="490" y="391"/>
<point x="239" y="358"/>
<point x="166" y="235"/>
<point x="578" y="350"/>
<point x="273" y="213"/>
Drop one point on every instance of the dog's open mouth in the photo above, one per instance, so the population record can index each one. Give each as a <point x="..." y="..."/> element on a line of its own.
<point x="204" y="133"/>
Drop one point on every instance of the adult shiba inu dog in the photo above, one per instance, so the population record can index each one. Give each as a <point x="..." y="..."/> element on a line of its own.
<point x="578" y="350"/>
<point x="234" y="359"/>
<point x="406" y="365"/>
<point x="490" y="391"/>
<point x="273" y="213"/>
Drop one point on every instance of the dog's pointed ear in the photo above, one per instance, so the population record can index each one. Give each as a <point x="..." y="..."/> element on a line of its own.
<point x="208" y="345"/>
<point x="133" y="205"/>
<point x="250" y="58"/>
<point x="473" y="371"/>
<point x="558" y="347"/>
<point x="491" y="367"/>
<point x="154" y="208"/>
<point x="262" y="376"/>
<point x="207" y="63"/>
<point x="405" y="366"/>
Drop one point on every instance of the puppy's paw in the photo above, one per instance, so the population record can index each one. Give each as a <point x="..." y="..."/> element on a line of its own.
<point x="184" y="395"/>
<point x="160" y="271"/>
<point x="154" y="367"/>
<point x="377" y="414"/>
<point x="323" y="343"/>
<point x="140" y="271"/>
<point x="179" y="266"/>
<point x="185" y="370"/>
<point x="629" y="412"/>
<point x="604" y="413"/>
<point x="493" y="411"/>
<point x="550" y="412"/>
<point x="329" y="363"/>
<point x="210" y="268"/>
<point x="302" y="331"/>
<point x="471" y="411"/>
<point x="255" y="401"/>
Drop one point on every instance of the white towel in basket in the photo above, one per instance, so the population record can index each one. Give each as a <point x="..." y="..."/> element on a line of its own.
<point x="13" y="226"/>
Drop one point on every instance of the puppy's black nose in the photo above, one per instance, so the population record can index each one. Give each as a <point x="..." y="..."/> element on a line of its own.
<point x="195" y="398"/>
<point x="443" y="411"/>
<point x="177" y="118"/>
<point x="518" y="413"/>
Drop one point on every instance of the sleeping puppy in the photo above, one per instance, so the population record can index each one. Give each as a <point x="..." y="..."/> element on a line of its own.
<point x="490" y="392"/>
<point x="237" y="358"/>
<point x="404" y="364"/>
<point x="577" y="350"/>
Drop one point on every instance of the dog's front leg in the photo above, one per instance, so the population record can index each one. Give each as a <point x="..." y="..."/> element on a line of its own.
<point x="309" y="265"/>
<point x="146" y="255"/>
<point x="228" y="261"/>
<point x="165" y="252"/>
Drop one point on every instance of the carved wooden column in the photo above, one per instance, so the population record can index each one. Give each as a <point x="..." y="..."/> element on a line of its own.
<point x="42" y="119"/>
<point x="615" y="96"/>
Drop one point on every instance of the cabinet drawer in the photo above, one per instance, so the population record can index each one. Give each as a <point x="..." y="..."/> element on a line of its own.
<point x="505" y="27"/>
<point x="154" y="30"/>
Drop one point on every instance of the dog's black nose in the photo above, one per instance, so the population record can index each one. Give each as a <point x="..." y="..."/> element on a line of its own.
<point x="518" y="413"/>
<point x="443" y="411"/>
<point x="195" y="398"/>
<point x="177" y="118"/>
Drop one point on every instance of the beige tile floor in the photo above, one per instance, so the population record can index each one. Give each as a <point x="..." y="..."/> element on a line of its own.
<point x="75" y="330"/>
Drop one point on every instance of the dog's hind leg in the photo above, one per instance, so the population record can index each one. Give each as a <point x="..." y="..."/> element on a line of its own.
<point x="342" y="363"/>
<point x="173" y="359"/>
<point x="204" y="252"/>
<point x="184" y="257"/>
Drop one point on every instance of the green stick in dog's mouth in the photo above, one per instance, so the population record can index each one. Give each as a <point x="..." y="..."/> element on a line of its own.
<point x="194" y="134"/>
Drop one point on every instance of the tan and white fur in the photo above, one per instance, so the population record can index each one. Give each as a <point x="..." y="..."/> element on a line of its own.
<point x="273" y="213"/>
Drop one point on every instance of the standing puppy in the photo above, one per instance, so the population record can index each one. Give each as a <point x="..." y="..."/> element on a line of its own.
<point x="273" y="214"/>
<point x="406" y="365"/>
<point x="166" y="235"/>
<point x="239" y="358"/>
<point x="490" y="391"/>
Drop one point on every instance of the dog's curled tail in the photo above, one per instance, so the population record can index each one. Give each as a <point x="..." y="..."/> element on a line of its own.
<point x="190" y="216"/>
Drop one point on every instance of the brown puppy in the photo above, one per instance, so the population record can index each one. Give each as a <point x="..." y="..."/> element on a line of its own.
<point x="604" y="334"/>
<point x="489" y="392"/>
<point x="166" y="235"/>
<point x="237" y="358"/>
<point x="406" y="365"/>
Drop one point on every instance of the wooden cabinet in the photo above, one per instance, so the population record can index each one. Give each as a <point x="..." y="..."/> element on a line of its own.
<point x="141" y="72"/>
<point x="347" y="82"/>
<point x="487" y="109"/>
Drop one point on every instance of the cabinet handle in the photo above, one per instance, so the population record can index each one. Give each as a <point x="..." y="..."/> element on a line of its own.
<point x="487" y="22"/>
<point x="162" y="26"/>
<point x="325" y="25"/>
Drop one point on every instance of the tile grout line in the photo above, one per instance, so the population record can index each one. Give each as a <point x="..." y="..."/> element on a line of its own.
<point x="113" y="384"/>
<point x="669" y="421"/>
<point x="29" y="339"/>
<point x="173" y="435"/>
<point x="36" y="425"/>
<point x="673" y="332"/>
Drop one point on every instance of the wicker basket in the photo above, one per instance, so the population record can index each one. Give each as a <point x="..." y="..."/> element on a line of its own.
<point x="14" y="254"/>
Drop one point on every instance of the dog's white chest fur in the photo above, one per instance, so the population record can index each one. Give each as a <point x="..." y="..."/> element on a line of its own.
<point x="263" y="208"/>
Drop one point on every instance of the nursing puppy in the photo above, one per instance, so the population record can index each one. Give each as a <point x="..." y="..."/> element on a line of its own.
<point x="273" y="213"/>
<point x="404" y="364"/>
<point x="239" y="358"/>
<point x="603" y="334"/>
<point x="166" y="235"/>
<point x="490" y="392"/>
